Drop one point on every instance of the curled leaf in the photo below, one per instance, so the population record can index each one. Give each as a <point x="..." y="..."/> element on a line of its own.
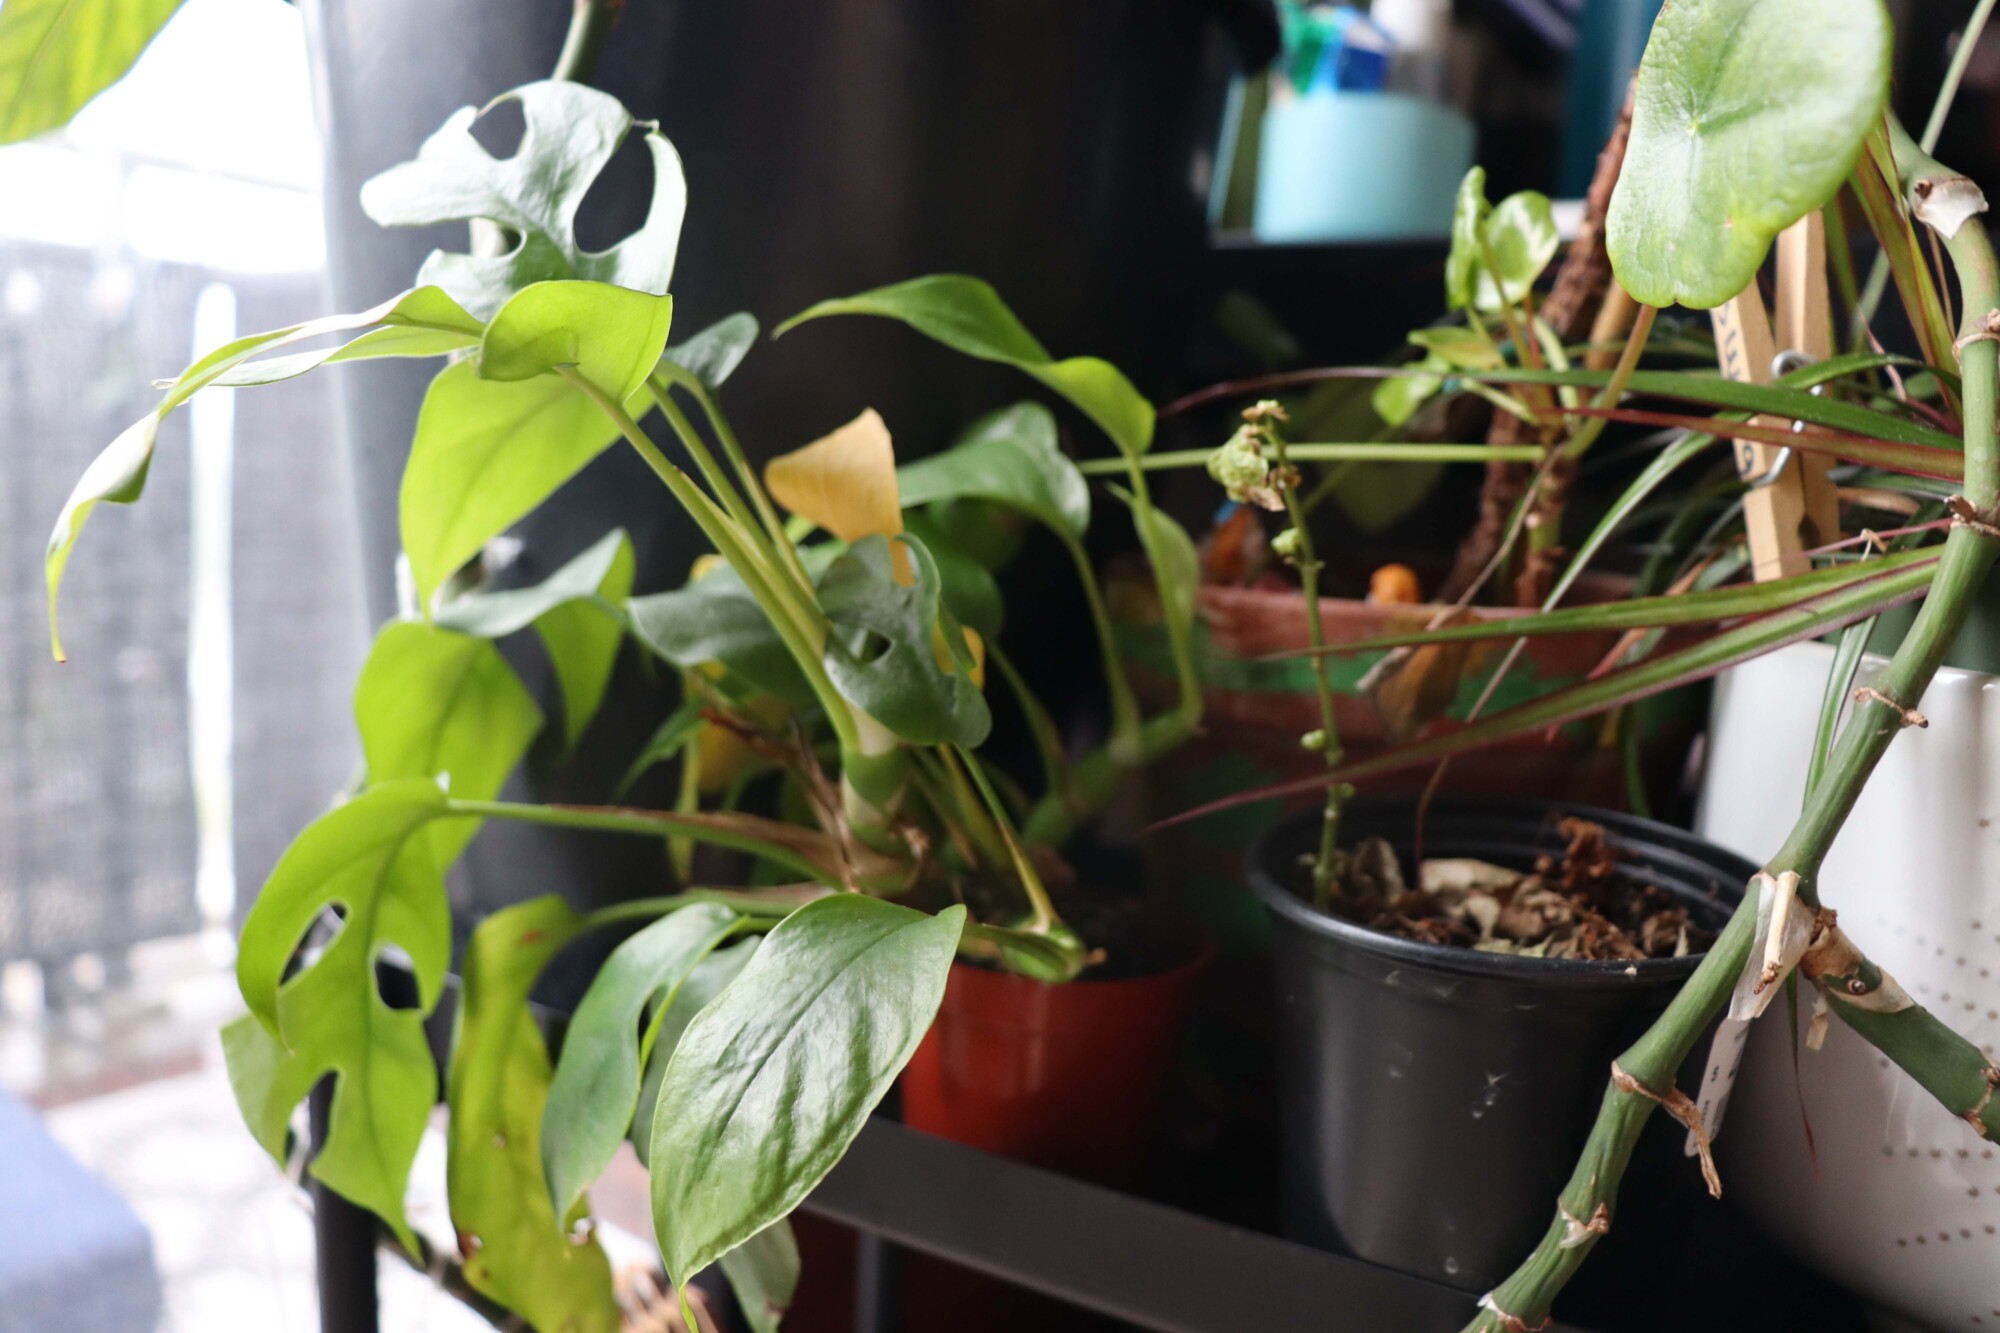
<point x="844" y="481"/>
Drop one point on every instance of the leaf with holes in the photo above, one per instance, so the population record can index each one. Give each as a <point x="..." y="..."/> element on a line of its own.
<point x="1010" y="457"/>
<point x="577" y="613"/>
<point x="55" y="55"/>
<point x="118" y="474"/>
<point x="517" y="1242"/>
<point x="1739" y="129"/>
<point x="447" y="708"/>
<point x="369" y="859"/>
<point x="968" y="316"/>
<point x="773" y="1080"/>
<point x="882" y="653"/>
<point x="596" y="1087"/>
<point x="713" y="354"/>
<point x="570" y="135"/>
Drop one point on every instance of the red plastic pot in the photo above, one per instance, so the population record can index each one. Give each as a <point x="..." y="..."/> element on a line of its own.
<point x="1066" y="1077"/>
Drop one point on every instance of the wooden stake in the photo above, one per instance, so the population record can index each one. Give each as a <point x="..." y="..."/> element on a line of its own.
<point x="1805" y="324"/>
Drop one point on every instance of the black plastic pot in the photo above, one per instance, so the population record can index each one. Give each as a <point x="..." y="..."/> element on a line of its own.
<point x="1433" y="1100"/>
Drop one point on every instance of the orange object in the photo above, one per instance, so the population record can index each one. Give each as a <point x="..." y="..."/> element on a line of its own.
<point x="1394" y="585"/>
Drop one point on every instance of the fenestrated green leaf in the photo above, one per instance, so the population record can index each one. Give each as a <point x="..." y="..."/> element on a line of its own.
<point x="577" y="613"/>
<point x="369" y="859"/>
<point x="764" y="1273"/>
<point x="882" y="655"/>
<point x="773" y="1080"/>
<point x="1749" y="114"/>
<point x="55" y="55"/>
<point x="519" y="1250"/>
<point x="1010" y="457"/>
<point x="1689" y="608"/>
<point x="596" y="1087"/>
<point x="571" y="133"/>
<point x="713" y="354"/>
<point x="445" y="707"/>
<point x="118" y="474"/>
<point x="1645" y="678"/>
<point x="610" y="336"/>
<point x="967" y="315"/>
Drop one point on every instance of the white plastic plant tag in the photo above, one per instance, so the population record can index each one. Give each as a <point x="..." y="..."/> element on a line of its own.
<point x="1725" y="1057"/>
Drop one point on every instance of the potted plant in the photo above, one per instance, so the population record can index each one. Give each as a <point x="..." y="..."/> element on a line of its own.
<point x="1692" y="221"/>
<point x="777" y="1014"/>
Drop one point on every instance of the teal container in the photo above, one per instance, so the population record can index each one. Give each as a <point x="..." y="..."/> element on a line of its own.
<point x="1360" y="167"/>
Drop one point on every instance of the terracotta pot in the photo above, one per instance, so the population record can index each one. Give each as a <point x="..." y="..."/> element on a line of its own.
<point x="1065" y="1077"/>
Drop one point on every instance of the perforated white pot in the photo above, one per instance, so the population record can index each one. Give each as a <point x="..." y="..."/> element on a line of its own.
<point x="1905" y="1205"/>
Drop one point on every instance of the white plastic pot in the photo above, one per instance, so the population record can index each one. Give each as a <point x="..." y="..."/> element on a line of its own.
<point x="1904" y="1207"/>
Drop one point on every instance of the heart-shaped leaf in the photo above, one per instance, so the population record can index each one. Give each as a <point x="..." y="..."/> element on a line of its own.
<point x="1496" y="253"/>
<point x="368" y="858"/>
<point x="713" y="354"/>
<point x="577" y="613"/>
<point x="55" y="55"/>
<point x="445" y="707"/>
<point x="1749" y="114"/>
<point x="118" y="474"/>
<point x="773" y="1080"/>
<point x="596" y="1088"/>
<point x="968" y="316"/>
<point x="519" y="1248"/>
<point x="882" y="656"/>
<point x="610" y="336"/>
<point x="1010" y="457"/>
<point x="571" y="133"/>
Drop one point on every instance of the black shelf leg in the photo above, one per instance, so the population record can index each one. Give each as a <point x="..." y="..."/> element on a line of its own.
<point x="878" y="1285"/>
<point x="343" y="1244"/>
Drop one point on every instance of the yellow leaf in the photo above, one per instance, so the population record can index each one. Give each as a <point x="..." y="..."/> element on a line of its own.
<point x="974" y="645"/>
<point x="845" y="482"/>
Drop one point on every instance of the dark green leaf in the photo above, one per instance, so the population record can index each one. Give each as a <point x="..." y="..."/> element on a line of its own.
<point x="968" y="587"/>
<point x="1176" y="563"/>
<point x="669" y="740"/>
<point x="882" y="654"/>
<point x="518" y="1243"/>
<point x="576" y="611"/>
<point x="55" y="55"/>
<point x="118" y="474"/>
<point x="764" y="1273"/>
<point x="1010" y="457"/>
<point x="710" y="977"/>
<point x="773" y="1080"/>
<point x="713" y="354"/>
<point x="1749" y="114"/>
<point x="596" y="1088"/>
<point x="445" y="707"/>
<point x="369" y="858"/>
<point x="716" y="619"/>
<point x="967" y="315"/>
<point x="572" y="131"/>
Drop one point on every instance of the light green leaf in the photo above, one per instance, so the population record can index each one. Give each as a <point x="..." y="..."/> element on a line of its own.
<point x="369" y="859"/>
<point x="575" y="611"/>
<point x="764" y="1273"/>
<point x="713" y="354"/>
<point x="882" y="655"/>
<point x="118" y="474"/>
<point x="55" y="55"/>
<point x="610" y="336"/>
<point x="447" y="708"/>
<point x="596" y="1087"/>
<point x="968" y="316"/>
<point x="520" y="1251"/>
<point x="1459" y="347"/>
<point x="1522" y="236"/>
<point x="428" y="323"/>
<point x="486" y="453"/>
<point x="1010" y="457"/>
<point x="774" y="1079"/>
<point x="1468" y="230"/>
<point x="709" y="979"/>
<point x="1749" y="114"/>
<point x="1397" y="398"/>
<point x="571" y="133"/>
<point x="1176" y="563"/>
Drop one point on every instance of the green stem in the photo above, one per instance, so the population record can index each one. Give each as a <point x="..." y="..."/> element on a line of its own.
<point x="1096" y="777"/>
<point x="719" y="830"/>
<point x="1124" y="703"/>
<point x="772" y="904"/>
<point x="1042" y="918"/>
<point x="1614" y="388"/>
<point x="1951" y="1067"/>
<point x="802" y="629"/>
<point x="1041" y="727"/>
<point x="1374" y="451"/>
<point x="1326" y="864"/>
<point x="589" y="26"/>
<point x="1180" y="629"/>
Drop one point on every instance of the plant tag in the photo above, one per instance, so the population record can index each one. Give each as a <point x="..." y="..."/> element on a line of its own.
<point x="1725" y="1057"/>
